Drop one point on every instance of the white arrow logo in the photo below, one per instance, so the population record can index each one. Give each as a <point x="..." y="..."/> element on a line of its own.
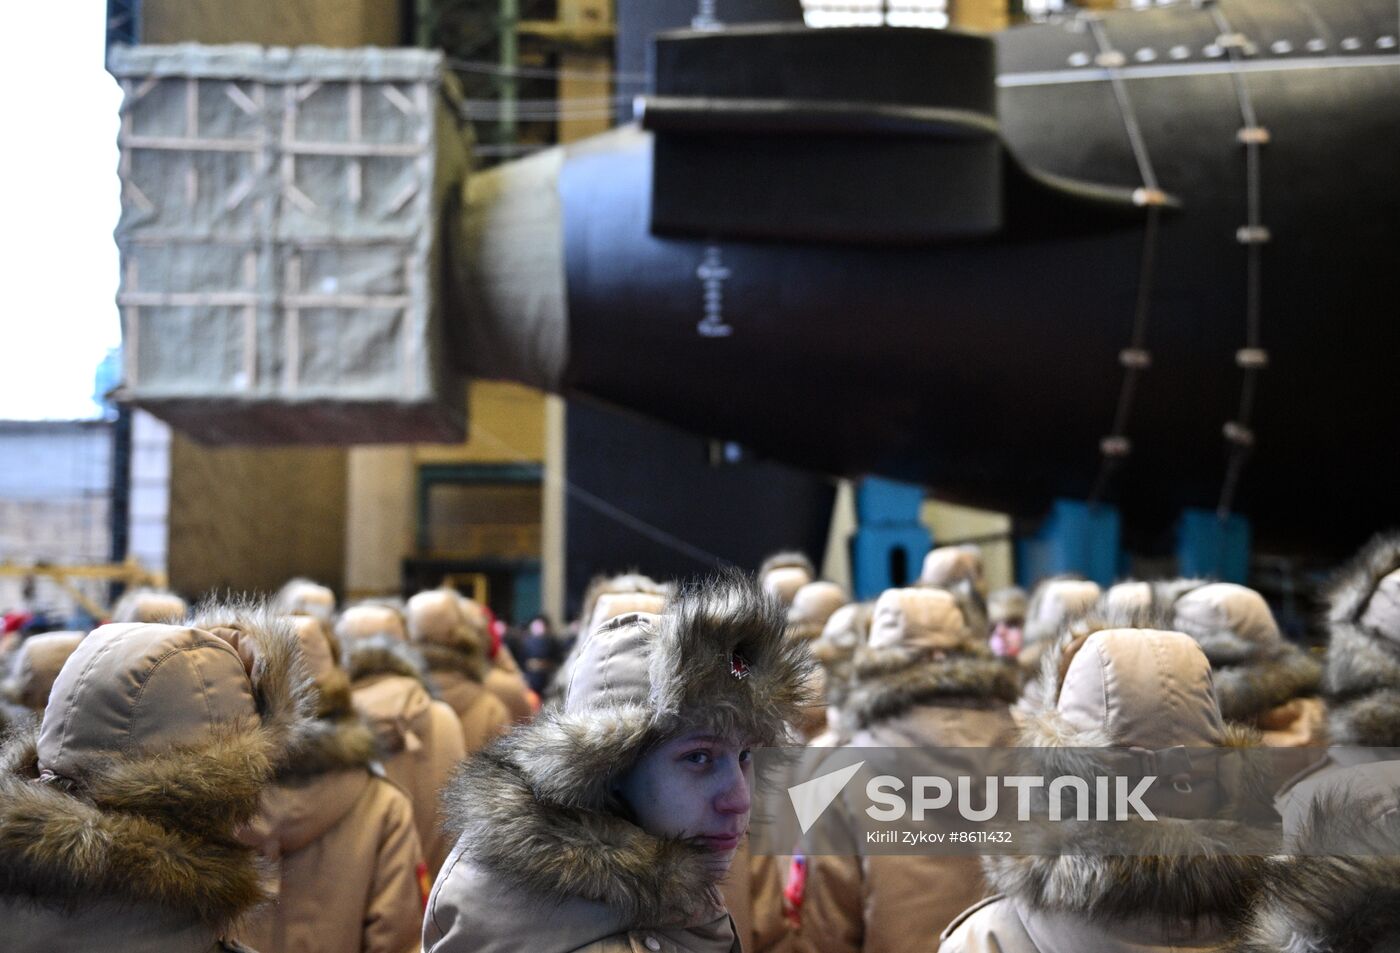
<point x="811" y="798"/>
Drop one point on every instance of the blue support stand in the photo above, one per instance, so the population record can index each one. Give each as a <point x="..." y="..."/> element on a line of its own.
<point x="889" y="547"/>
<point x="1211" y="548"/>
<point x="1076" y="538"/>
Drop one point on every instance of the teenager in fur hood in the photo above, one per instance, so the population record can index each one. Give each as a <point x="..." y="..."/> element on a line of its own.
<point x="420" y="737"/>
<point x="1124" y="688"/>
<point x="344" y="859"/>
<point x="925" y="679"/>
<point x="453" y="650"/>
<point x="1260" y="679"/>
<point x="118" y="814"/>
<point x="607" y="823"/>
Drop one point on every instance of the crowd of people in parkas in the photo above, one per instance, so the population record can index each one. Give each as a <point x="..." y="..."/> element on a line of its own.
<point x="283" y="777"/>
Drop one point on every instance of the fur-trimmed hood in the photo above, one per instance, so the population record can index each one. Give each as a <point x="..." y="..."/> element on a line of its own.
<point x="888" y="682"/>
<point x="812" y="606"/>
<point x="337" y="740"/>
<point x="149" y="605"/>
<point x="923" y="650"/>
<point x="391" y="689"/>
<point x="1267" y="681"/>
<point x="1362" y="676"/>
<point x="33" y="668"/>
<point x="152" y="825"/>
<point x="1111" y="686"/>
<point x="564" y="851"/>
<point x="1255" y="669"/>
<point x="382" y="655"/>
<point x="717" y="659"/>
<point x="447" y="637"/>
<point x="1054" y="602"/>
<point x="301" y="596"/>
<point x="783" y="574"/>
<point x="623" y="583"/>
<point x="1340" y="892"/>
<point x="469" y="664"/>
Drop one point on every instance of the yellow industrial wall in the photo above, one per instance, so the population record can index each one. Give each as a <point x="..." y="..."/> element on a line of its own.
<point x="272" y="22"/>
<point x="982" y="16"/>
<point x="506" y="425"/>
<point x="249" y="519"/>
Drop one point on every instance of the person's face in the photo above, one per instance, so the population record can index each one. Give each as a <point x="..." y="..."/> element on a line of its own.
<point x="538" y="627"/>
<point x="694" y="786"/>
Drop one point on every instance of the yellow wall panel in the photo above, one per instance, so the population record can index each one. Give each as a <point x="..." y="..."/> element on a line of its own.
<point x="272" y="22"/>
<point x="250" y="518"/>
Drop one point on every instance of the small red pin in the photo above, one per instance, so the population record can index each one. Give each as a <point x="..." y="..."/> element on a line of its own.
<point x="738" y="667"/>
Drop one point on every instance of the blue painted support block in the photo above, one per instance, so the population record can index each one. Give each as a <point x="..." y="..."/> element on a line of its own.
<point x="1210" y="548"/>
<point x="889" y="546"/>
<point x="887" y="503"/>
<point x="1075" y="538"/>
<point x="883" y="557"/>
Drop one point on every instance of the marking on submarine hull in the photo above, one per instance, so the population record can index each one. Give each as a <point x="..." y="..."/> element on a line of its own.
<point x="713" y="273"/>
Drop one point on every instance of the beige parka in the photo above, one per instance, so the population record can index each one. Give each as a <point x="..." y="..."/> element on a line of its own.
<point x="118" y="814"/>
<point x="455" y="653"/>
<point x="926" y="679"/>
<point x="345" y="862"/>
<point x="420" y="737"/>
<point x="1127" y="688"/>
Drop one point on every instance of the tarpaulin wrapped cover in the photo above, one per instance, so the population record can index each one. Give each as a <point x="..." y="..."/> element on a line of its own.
<point x="280" y="239"/>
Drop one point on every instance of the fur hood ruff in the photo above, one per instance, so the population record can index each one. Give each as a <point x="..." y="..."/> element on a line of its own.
<point x="383" y="655"/>
<point x="1250" y="679"/>
<point x="888" y="682"/>
<point x="1177" y="873"/>
<point x="336" y="741"/>
<point x="1348" y="902"/>
<point x="567" y="852"/>
<point x="1362" y="678"/>
<point x="154" y="829"/>
<point x="442" y="658"/>
<point x="1250" y="682"/>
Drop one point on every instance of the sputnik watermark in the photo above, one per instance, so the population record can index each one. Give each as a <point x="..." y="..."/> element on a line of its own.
<point x="1126" y="801"/>
<point x="884" y="791"/>
<point x="810" y="799"/>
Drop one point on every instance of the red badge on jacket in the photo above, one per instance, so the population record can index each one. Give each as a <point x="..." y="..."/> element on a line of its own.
<point x="425" y="886"/>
